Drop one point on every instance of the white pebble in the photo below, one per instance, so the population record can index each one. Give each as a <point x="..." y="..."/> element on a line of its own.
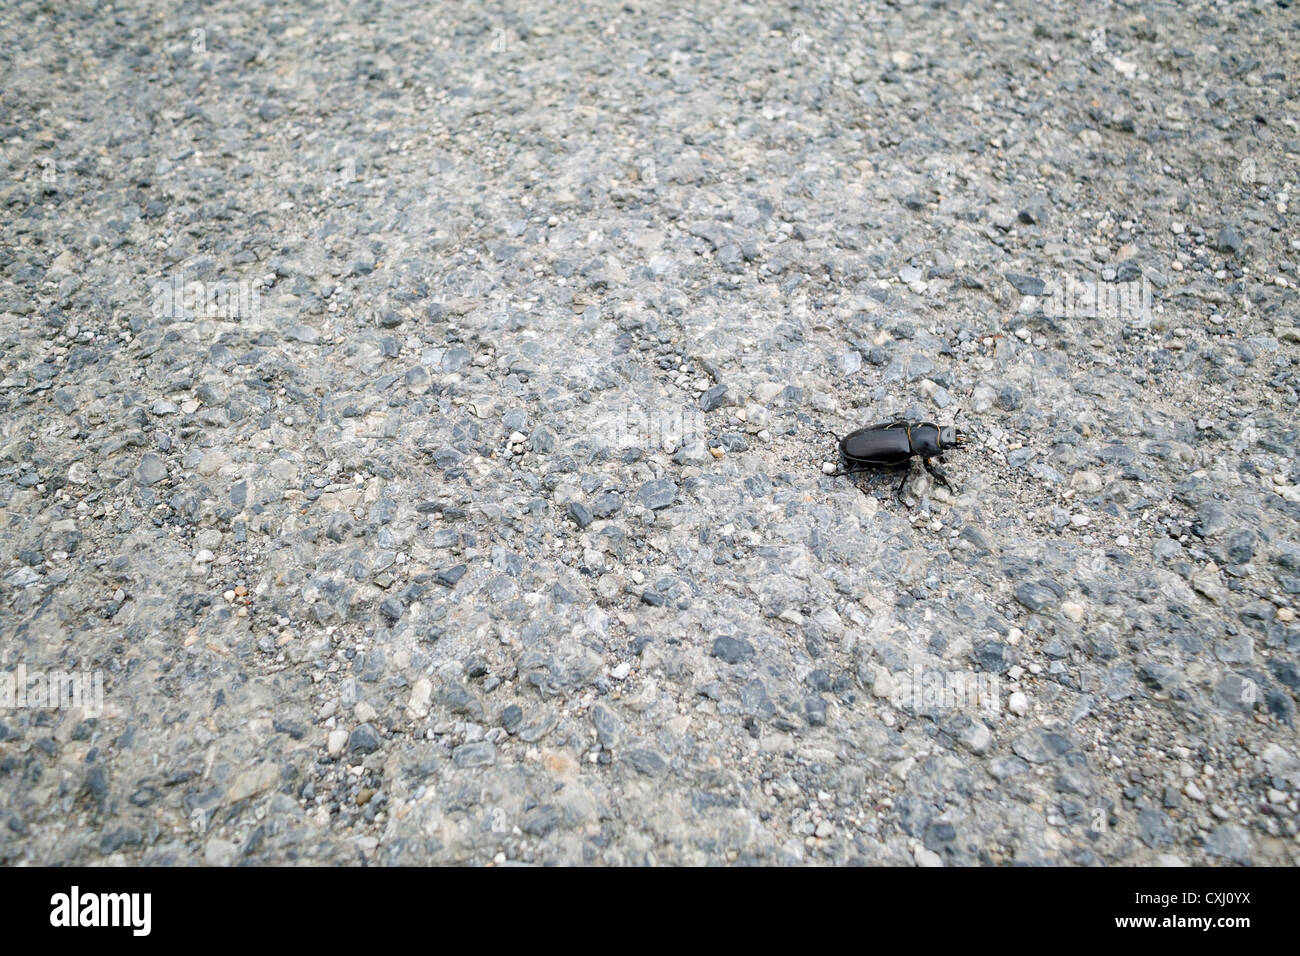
<point x="337" y="740"/>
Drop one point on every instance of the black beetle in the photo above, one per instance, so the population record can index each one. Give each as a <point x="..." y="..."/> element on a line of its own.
<point x="894" y="443"/>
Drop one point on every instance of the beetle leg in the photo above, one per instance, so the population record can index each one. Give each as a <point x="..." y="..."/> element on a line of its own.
<point x="907" y="473"/>
<point x="851" y="471"/>
<point x="939" y="474"/>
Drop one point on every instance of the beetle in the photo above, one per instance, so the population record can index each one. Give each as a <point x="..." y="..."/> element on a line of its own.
<point x="894" y="443"/>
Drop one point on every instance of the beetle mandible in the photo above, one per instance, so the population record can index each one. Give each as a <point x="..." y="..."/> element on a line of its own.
<point x="895" y="443"/>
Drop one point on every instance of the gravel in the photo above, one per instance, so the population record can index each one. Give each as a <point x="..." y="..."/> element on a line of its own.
<point x="417" y="416"/>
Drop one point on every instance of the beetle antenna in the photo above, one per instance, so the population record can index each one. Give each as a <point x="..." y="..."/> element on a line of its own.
<point x="961" y="435"/>
<point x="835" y="436"/>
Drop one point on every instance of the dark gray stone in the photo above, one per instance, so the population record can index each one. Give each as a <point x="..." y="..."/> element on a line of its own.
<point x="733" y="650"/>
<point x="648" y="762"/>
<point x="475" y="755"/>
<point x="713" y="398"/>
<point x="363" y="740"/>
<point x="657" y="494"/>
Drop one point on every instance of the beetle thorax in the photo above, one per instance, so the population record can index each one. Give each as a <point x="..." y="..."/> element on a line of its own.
<point x="925" y="440"/>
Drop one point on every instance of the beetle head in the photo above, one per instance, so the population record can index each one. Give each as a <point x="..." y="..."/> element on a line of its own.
<point x="950" y="436"/>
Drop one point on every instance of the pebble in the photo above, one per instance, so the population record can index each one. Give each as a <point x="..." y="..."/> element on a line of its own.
<point x="732" y="650"/>
<point x="713" y="398"/>
<point x="474" y="755"/>
<point x="151" y="470"/>
<point x="218" y="852"/>
<point x="657" y="494"/>
<point x="1229" y="841"/>
<point x="977" y="738"/>
<point x="363" y="740"/>
<point x="927" y="858"/>
<point x="1036" y="597"/>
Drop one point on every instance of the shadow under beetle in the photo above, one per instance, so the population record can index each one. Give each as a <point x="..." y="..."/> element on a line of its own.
<point x="895" y="443"/>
